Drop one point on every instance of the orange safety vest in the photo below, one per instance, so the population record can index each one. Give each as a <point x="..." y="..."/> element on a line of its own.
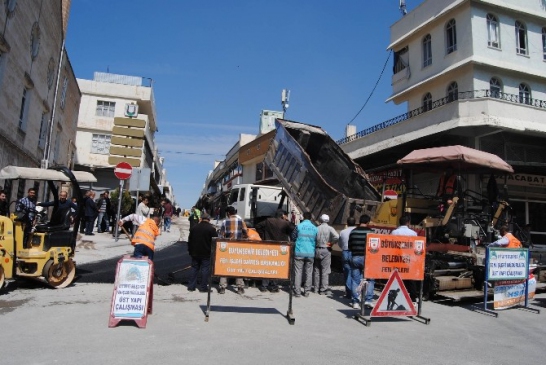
<point x="448" y="187"/>
<point x="513" y="242"/>
<point x="146" y="234"/>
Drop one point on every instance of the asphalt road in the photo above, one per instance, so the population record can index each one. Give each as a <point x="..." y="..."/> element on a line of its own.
<point x="166" y="261"/>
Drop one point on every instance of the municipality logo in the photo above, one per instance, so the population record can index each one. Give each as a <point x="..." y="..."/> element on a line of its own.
<point x="223" y="246"/>
<point x="284" y="250"/>
<point x="374" y="245"/>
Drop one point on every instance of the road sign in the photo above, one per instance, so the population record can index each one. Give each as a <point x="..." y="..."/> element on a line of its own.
<point x="394" y="300"/>
<point x="123" y="171"/>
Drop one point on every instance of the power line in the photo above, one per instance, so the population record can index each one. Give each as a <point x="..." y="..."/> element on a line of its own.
<point x="191" y="153"/>
<point x="375" y="86"/>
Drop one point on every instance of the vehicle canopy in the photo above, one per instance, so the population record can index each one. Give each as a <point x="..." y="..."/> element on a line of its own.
<point x="458" y="157"/>
<point x="34" y="173"/>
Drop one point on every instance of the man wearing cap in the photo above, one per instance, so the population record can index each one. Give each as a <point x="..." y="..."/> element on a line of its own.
<point x="199" y="248"/>
<point x="233" y="227"/>
<point x="326" y="237"/>
<point x="144" y="238"/>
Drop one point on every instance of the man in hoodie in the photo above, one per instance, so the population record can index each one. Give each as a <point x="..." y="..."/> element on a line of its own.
<point x="305" y="237"/>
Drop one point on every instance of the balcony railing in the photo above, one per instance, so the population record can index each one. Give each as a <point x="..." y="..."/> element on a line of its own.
<point x="464" y="95"/>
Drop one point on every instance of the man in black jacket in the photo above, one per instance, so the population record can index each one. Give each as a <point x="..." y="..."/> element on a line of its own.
<point x="276" y="228"/>
<point x="199" y="248"/>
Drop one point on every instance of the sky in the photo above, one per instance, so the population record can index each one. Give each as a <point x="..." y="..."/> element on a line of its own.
<point x="216" y="64"/>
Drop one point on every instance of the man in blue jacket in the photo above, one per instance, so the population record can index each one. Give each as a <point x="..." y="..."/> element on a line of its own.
<point x="305" y="238"/>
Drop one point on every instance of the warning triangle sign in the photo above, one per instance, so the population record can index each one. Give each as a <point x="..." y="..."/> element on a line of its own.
<point x="394" y="300"/>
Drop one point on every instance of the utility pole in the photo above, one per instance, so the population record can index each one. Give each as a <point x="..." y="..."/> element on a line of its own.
<point x="285" y="96"/>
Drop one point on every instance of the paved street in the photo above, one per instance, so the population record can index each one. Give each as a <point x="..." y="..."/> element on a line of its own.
<point x="46" y="326"/>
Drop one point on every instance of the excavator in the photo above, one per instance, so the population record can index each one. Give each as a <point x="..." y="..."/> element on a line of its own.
<point x="47" y="255"/>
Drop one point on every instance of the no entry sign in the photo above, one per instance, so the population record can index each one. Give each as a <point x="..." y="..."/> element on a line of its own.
<point x="123" y="170"/>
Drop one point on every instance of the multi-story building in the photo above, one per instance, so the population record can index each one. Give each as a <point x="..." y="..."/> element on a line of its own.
<point x="472" y="72"/>
<point x="117" y="122"/>
<point x="39" y="95"/>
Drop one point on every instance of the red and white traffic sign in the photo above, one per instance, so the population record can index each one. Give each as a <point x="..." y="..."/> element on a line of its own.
<point x="123" y="170"/>
<point x="394" y="300"/>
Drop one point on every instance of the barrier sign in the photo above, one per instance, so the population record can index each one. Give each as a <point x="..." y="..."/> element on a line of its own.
<point x="511" y="293"/>
<point x="252" y="259"/>
<point x="133" y="291"/>
<point x="394" y="300"/>
<point x="387" y="253"/>
<point x="507" y="263"/>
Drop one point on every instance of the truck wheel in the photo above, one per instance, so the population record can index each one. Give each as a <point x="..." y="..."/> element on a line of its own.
<point x="2" y="277"/>
<point x="59" y="275"/>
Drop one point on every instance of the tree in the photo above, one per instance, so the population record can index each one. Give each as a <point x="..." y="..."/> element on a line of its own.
<point x="126" y="201"/>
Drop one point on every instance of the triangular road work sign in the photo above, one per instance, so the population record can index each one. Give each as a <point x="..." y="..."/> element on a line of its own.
<point x="394" y="300"/>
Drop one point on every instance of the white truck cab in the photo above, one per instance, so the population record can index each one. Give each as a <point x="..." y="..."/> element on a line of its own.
<point x="266" y="199"/>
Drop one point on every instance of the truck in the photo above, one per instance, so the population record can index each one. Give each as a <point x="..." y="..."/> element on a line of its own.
<point x="257" y="202"/>
<point x="318" y="177"/>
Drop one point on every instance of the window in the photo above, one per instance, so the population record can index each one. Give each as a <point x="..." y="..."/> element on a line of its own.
<point x="495" y="87"/>
<point x="521" y="38"/>
<point x="452" y="92"/>
<point x="543" y="44"/>
<point x="233" y="196"/>
<point x="57" y="148"/>
<point x="43" y="131"/>
<point x="50" y="73"/>
<point x="242" y="194"/>
<point x="427" y="51"/>
<point x="524" y="94"/>
<point x="401" y="60"/>
<point x="493" y="31"/>
<point x="427" y="102"/>
<point x="63" y="92"/>
<point x="100" y="144"/>
<point x="451" y="36"/>
<point x="35" y="35"/>
<point x="23" y="111"/>
<point x="105" y="108"/>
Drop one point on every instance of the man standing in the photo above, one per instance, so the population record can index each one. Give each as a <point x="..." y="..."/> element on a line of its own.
<point x="346" y="255"/>
<point x="91" y="212"/>
<point x="167" y="215"/>
<point x="144" y="238"/>
<point x="305" y="238"/>
<point x="274" y="229"/>
<point x="194" y="217"/>
<point x="4" y="206"/>
<point x="27" y="209"/>
<point x="508" y="240"/>
<point x="326" y="237"/>
<point x="357" y="246"/>
<point x="232" y="227"/>
<point x="105" y="207"/>
<point x="199" y="248"/>
<point x="404" y="230"/>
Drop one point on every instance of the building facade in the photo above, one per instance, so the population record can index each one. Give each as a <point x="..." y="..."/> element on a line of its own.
<point x="117" y="122"/>
<point x="39" y="95"/>
<point x="472" y="72"/>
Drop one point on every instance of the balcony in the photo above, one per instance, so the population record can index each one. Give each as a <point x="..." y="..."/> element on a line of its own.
<point x="468" y="105"/>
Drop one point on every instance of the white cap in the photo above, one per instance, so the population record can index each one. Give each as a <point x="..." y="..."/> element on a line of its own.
<point x="324" y="218"/>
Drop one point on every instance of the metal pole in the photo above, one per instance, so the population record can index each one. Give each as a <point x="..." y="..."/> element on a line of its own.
<point x="120" y="196"/>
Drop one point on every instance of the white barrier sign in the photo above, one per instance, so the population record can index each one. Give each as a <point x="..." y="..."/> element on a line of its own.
<point x="507" y="263"/>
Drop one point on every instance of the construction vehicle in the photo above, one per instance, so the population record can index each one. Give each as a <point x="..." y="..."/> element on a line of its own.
<point x="47" y="255"/>
<point x="320" y="178"/>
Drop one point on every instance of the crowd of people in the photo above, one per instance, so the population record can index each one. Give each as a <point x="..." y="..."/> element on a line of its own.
<point x="312" y="252"/>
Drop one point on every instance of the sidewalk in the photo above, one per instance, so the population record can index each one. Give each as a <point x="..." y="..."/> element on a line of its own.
<point x="103" y="246"/>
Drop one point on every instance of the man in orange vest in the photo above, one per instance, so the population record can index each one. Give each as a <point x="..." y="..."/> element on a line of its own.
<point x="144" y="238"/>
<point x="507" y="241"/>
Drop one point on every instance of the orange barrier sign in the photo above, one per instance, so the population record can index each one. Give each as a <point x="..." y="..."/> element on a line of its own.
<point x="252" y="259"/>
<point x="387" y="253"/>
